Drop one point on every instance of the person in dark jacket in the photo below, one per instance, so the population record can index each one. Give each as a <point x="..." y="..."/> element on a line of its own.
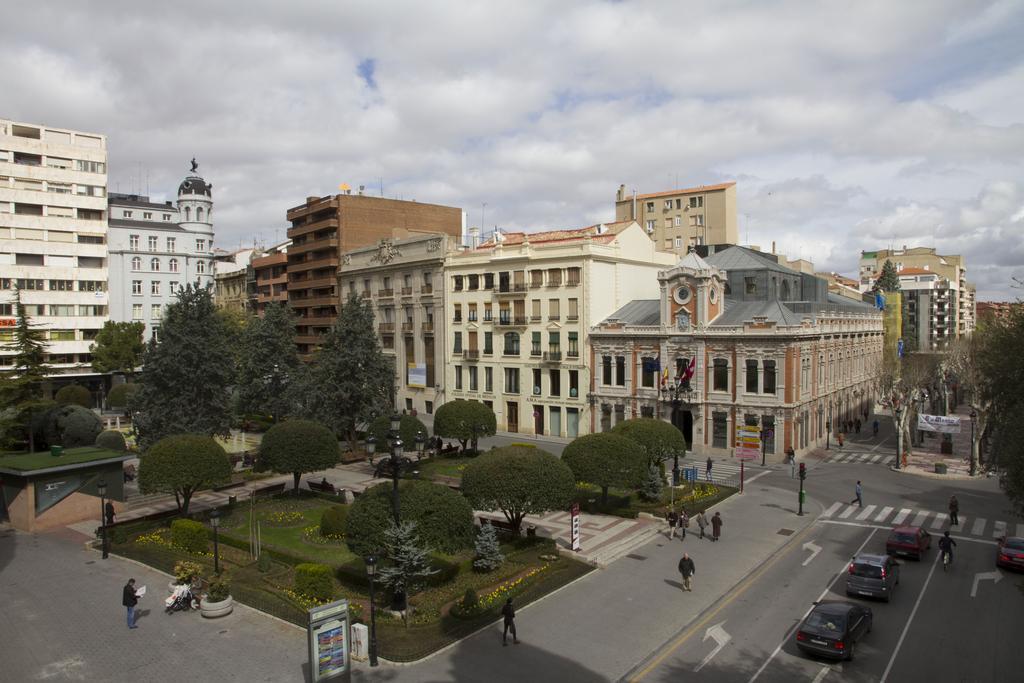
<point x="508" y="612"/>
<point x="109" y="510"/>
<point x="954" y="511"/>
<point x="129" y="600"/>
<point x="716" y="526"/>
<point x="686" y="570"/>
<point x="672" y="519"/>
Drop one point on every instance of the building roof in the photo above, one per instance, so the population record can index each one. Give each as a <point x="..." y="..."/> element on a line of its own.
<point x="741" y="258"/>
<point x="138" y="200"/>
<point x="195" y="185"/>
<point x="144" y="225"/>
<point x="688" y="190"/>
<point x="693" y="261"/>
<point x="739" y="312"/>
<point x="40" y="463"/>
<point x="603" y="231"/>
<point x="916" y="271"/>
<point x="639" y="312"/>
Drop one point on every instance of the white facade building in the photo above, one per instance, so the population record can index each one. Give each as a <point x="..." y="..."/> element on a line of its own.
<point x="157" y="248"/>
<point x="53" y="234"/>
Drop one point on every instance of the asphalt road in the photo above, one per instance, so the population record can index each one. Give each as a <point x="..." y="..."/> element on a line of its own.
<point x="933" y="630"/>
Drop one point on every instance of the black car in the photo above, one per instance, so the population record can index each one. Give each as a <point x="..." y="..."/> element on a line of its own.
<point x="832" y="629"/>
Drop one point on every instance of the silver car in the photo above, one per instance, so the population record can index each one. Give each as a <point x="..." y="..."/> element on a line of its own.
<point x="872" y="576"/>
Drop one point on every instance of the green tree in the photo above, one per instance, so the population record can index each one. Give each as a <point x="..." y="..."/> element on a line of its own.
<point x="187" y="375"/>
<point x="21" y="388"/>
<point x="298" y="446"/>
<point x="488" y="550"/>
<point x="351" y="380"/>
<point x="118" y="347"/>
<point x="605" y="460"/>
<point x="650" y="490"/>
<point x="183" y="464"/>
<point x="659" y="440"/>
<point x="409" y="427"/>
<point x="519" y="481"/>
<point x="888" y="280"/>
<point x="409" y="566"/>
<point x="121" y="395"/>
<point x="73" y="394"/>
<point x="1003" y="391"/>
<point x="72" y="426"/>
<point x="465" y="421"/>
<point x="269" y="364"/>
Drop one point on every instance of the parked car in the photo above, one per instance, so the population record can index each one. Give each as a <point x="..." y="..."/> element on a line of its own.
<point x="833" y="629"/>
<point x="873" y="576"/>
<point x="1010" y="552"/>
<point x="912" y="541"/>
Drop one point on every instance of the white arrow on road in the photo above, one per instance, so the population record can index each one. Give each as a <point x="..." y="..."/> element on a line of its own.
<point x="838" y="668"/>
<point x="814" y="548"/>
<point x="995" y="576"/>
<point x="718" y="634"/>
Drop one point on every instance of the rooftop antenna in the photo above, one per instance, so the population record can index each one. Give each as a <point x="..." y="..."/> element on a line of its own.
<point x="381" y="180"/>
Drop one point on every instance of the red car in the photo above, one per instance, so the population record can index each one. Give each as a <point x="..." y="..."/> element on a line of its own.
<point x="912" y="541"/>
<point x="1010" y="552"/>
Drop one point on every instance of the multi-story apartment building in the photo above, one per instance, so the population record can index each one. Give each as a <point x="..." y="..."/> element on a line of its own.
<point x="518" y="309"/>
<point x="679" y="219"/>
<point x="404" y="281"/>
<point x="325" y="227"/>
<point x="737" y="339"/>
<point x="930" y="310"/>
<point x="156" y="248"/>
<point x="53" y="238"/>
<point x="989" y="311"/>
<point x="958" y="315"/>
<point x="270" y="271"/>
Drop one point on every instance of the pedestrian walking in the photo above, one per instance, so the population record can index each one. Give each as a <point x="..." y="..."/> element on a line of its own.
<point x="672" y="519"/>
<point x="839" y="438"/>
<point x="508" y="612"/>
<point x="716" y="526"/>
<point x="684" y="523"/>
<point x="856" y="425"/>
<point x="707" y="469"/>
<point x="791" y="457"/>
<point x="874" y="427"/>
<point x="108" y="509"/>
<point x="129" y="599"/>
<point x="702" y="522"/>
<point x="686" y="570"/>
<point x="954" y="511"/>
<point x="858" y="500"/>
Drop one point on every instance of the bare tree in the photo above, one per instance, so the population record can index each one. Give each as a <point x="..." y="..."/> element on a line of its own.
<point x="965" y="362"/>
<point x="901" y="383"/>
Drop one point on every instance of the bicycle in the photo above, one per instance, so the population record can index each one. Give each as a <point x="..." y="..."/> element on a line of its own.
<point x="947" y="559"/>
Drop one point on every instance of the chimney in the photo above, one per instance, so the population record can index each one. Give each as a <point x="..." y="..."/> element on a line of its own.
<point x="621" y="194"/>
<point x="474" y="237"/>
<point x="361" y="188"/>
<point x="773" y="246"/>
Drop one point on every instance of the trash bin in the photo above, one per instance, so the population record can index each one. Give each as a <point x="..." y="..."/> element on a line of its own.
<point x="940" y="468"/>
<point x="531" y="531"/>
<point x="232" y="500"/>
<point x="56" y="450"/>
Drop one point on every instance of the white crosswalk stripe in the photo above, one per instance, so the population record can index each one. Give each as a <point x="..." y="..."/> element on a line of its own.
<point x="979" y="526"/>
<point x="920" y="517"/>
<point x="847" y="512"/>
<point x="998" y="529"/>
<point x="864" y="458"/>
<point x="876" y="458"/>
<point x="962" y="526"/>
<point x="832" y="508"/>
<point x="901" y="517"/>
<point x="939" y="521"/>
<point x="886" y="511"/>
<point x="866" y="513"/>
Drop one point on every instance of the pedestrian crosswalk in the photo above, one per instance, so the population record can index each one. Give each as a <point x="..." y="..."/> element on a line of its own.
<point x="852" y="457"/>
<point x="722" y="471"/>
<point x="927" y="519"/>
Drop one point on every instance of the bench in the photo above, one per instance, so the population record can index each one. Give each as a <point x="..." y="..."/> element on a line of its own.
<point x="322" y="487"/>
<point x="501" y="524"/>
<point x="270" y="490"/>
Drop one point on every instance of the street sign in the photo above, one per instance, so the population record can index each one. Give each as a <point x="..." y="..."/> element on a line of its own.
<point x="574" y="514"/>
<point x="748" y="442"/>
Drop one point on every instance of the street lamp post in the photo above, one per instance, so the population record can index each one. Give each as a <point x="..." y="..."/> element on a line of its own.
<point x="101" y="488"/>
<point x="828" y="434"/>
<point x="421" y="442"/>
<point x="371" y="569"/>
<point x="899" y="434"/>
<point x="974" y="420"/>
<point x="215" y="523"/>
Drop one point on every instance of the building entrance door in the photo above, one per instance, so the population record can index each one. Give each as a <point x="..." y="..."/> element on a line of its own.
<point x="512" y="417"/>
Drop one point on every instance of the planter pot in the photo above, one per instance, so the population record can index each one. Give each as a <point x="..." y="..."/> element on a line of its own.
<point x="940" y="468"/>
<point x="212" y="610"/>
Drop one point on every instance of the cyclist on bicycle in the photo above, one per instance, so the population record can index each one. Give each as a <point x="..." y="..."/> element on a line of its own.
<point x="946" y="546"/>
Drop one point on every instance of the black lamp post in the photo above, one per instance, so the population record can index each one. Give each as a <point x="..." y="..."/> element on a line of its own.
<point x="974" y="420"/>
<point x="899" y="434"/>
<point x="828" y="434"/>
<point x="101" y="488"/>
<point x="421" y="442"/>
<point x="371" y="570"/>
<point x="215" y="522"/>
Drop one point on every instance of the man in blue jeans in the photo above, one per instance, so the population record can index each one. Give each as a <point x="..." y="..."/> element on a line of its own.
<point x="129" y="599"/>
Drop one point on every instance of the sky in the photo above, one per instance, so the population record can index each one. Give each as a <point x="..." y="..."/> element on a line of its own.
<point x="847" y="126"/>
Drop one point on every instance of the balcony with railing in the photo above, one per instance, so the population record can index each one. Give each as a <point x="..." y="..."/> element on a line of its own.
<point x="512" y="321"/>
<point x="385" y="293"/>
<point x="407" y="328"/>
<point x="552" y="356"/>
<point x="426" y="289"/>
<point x="471" y="354"/>
<point x="572" y="353"/>
<point x="511" y="290"/>
<point x="386" y="328"/>
<point x="406" y="291"/>
<point x="427" y="328"/>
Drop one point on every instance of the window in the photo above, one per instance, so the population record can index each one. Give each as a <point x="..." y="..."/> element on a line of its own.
<point x="154" y="288"/>
<point x="133" y="242"/>
<point x="678" y="221"/>
<point x="137" y="287"/>
<point x="154" y="311"/>
<point x="62" y="335"/>
<point x="620" y="371"/>
<point x="535" y="344"/>
<point x="172" y="265"/>
<point x="650" y="368"/>
<point x="472" y="313"/>
<point x="668" y="242"/>
<point x="91" y="286"/>
<point x="553" y="313"/>
<point x="172" y="287"/>
<point x="62" y="285"/>
<point x="668" y="204"/>
<point x="136" y="263"/>
<point x="488" y="280"/>
<point x="752" y="380"/>
<point x="536" y="382"/>
<point x="152" y="242"/>
<point x="606" y="370"/>
<point x="199" y="214"/>
<point x="167" y="216"/>
<point x="457" y="347"/>
<point x="769" y="377"/>
<point x="696" y="202"/>
<point x="458" y="377"/>
<point x="201" y="267"/>
<point x="511" y="380"/>
<point x="697" y="221"/>
<point x="750" y="285"/>
<point x="154" y="264"/>
<point x="200" y="246"/>
<point x="90" y="166"/>
<point x="127" y="214"/>
<point x="488" y="314"/>
<point x="720" y="380"/>
<point x="488" y="379"/>
<point x="473" y="282"/>
<point x="574" y="383"/>
<point x="555" y="382"/>
<point x="678" y="243"/>
<point x="488" y="343"/>
<point x="457" y="283"/>
<point x="554" y="342"/>
<point x="572" y="277"/>
<point x="650" y="206"/>
<point x="574" y="349"/>
<point x="768" y="425"/>
<point x="136" y="311"/>
<point x="511" y="344"/>
<point x="719" y="430"/>
<point x="650" y="227"/>
<point x="188" y="213"/>
<point x="61" y="310"/>
<point x="472" y="378"/>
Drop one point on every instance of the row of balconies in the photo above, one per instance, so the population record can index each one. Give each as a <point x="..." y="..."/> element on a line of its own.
<point x="546" y="356"/>
<point x="514" y="289"/>
<point x="404" y="291"/>
<point x="407" y="328"/>
<point x="515" y="321"/>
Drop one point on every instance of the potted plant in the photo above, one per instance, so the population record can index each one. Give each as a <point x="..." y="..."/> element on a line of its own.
<point x="217" y="601"/>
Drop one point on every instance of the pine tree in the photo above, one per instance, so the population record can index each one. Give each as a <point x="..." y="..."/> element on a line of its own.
<point x="410" y="561"/>
<point x="651" y="488"/>
<point x="187" y="375"/>
<point x="488" y="551"/>
<point x="269" y="363"/>
<point x="888" y="280"/>
<point x="21" y="390"/>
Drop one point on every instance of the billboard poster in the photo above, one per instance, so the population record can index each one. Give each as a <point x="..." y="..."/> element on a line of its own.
<point x="417" y="375"/>
<point x="329" y="642"/>
<point x="938" y="423"/>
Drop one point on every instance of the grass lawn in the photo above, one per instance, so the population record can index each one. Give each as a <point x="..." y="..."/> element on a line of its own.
<point x="446" y="467"/>
<point x="281" y="525"/>
<point x="27" y="462"/>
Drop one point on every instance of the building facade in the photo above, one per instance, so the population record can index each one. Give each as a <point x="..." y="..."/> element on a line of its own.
<point x="679" y="219"/>
<point x="518" y="309"/>
<point x="234" y="280"/>
<point x="53" y="238"/>
<point x="737" y="339"/>
<point x="157" y="248"/>
<point x="270" y="271"/>
<point x="404" y="282"/>
<point x="325" y="227"/>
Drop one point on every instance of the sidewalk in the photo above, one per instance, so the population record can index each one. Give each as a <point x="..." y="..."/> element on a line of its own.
<point x="923" y="458"/>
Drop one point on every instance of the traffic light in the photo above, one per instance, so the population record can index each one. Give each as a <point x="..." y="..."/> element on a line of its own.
<point x="803" y="471"/>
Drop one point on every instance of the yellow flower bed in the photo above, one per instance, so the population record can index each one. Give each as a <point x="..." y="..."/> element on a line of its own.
<point x="505" y="589"/>
<point x="158" y="538"/>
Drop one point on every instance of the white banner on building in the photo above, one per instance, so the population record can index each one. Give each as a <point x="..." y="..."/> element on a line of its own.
<point x="938" y="423"/>
<point x="417" y="375"/>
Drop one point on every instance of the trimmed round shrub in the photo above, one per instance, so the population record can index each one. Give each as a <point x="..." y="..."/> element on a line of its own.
<point x="121" y="394"/>
<point x="410" y="427"/>
<point x="111" y="439"/>
<point x="72" y="426"/>
<point x="314" y="581"/>
<point x="74" y="394"/>
<point x="332" y="522"/>
<point x="183" y="464"/>
<point x="659" y="440"/>
<point x="605" y="460"/>
<point x="190" y="535"/>
<point x="298" y="446"/>
<point x="444" y="519"/>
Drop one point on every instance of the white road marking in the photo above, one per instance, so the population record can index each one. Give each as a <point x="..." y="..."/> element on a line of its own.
<point x="847" y="512"/>
<point x="919" y="519"/>
<point x="963" y="522"/>
<point x="939" y="521"/>
<point x="721" y="638"/>
<point x="876" y="458"/>
<point x="814" y="548"/>
<point x="899" y="519"/>
<point x="999" y="530"/>
<point x="831" y="509"/>
<point x="867" y="512"/>
<point x="910" y="619"/>
<point x="862" y="525"/>
<point x="886" y="511"/>
<point x="995" y="577"/>
<point x="821" y="674"/>
<point x="979" y="526"/>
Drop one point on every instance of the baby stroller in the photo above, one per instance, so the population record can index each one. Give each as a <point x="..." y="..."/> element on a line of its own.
<point x="181" y="599"/>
